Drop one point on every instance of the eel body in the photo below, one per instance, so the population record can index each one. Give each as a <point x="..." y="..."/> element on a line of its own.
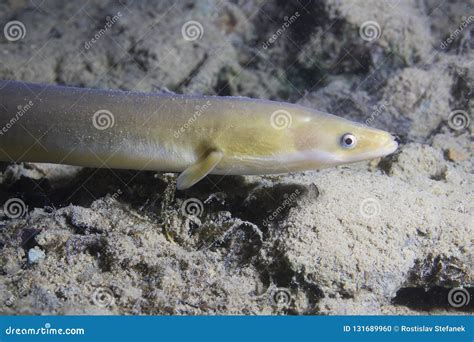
<point x="194" y="135"/>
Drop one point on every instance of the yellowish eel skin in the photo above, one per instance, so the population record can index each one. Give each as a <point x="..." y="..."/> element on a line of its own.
<point x="194" y="135"/>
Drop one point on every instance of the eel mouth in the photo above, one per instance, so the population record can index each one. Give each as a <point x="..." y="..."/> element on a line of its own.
<point x="390" y="147"/>
<point x="327" y="159"/>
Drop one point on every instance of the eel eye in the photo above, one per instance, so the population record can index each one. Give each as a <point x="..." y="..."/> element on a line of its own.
<point x="348" y="141"/>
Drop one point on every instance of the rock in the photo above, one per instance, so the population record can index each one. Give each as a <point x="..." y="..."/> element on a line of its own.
<point x="418" y="101"/>
<point x="455" y="155"/>
<point x="35" y="255"/>
<point x="430" y="163"/>
<point x="398" y="30"/>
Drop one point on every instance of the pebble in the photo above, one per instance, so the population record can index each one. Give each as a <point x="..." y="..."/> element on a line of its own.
<point x="35" y="255"/>
<point x="455" y="155"/>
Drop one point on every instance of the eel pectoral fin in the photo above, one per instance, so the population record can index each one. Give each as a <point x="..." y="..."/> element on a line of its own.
<point x="199" y="170"/>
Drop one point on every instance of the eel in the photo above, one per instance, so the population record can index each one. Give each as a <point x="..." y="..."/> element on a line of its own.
<point x="191" y="134"/>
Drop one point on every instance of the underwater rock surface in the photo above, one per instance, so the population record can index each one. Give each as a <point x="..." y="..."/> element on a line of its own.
<point x="358" y="239"/>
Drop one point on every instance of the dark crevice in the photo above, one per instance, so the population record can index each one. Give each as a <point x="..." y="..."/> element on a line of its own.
<point x="437" y="297"/>
<point x="436" y="282"/>
<point x="194" y="71"/>
<point x="223" y="87"/>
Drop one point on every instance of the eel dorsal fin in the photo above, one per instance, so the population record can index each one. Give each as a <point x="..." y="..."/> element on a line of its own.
<point x="199" y="170"/>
